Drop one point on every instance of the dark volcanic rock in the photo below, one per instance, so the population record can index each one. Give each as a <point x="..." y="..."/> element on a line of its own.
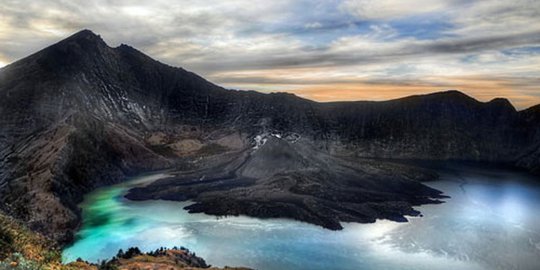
<point x="80" y="114"/>
<point x="293" y="179"/>
<point x="530" y="156"/>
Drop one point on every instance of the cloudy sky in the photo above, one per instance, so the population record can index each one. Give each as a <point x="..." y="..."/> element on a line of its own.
<point x="322" y="50"/>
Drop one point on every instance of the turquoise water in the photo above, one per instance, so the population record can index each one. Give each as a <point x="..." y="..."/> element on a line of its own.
<point x="491" y="222"/>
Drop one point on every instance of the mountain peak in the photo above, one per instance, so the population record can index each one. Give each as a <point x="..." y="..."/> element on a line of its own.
<point x="451" y="93"/>
<point x="448" y="96"/>
<point x="502" y="103"/>
<point x="84" y="42"/>
<point x="85" y="35"/>
<point x="74" y="52"/>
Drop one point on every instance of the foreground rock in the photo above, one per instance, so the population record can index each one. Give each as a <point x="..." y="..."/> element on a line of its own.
<point x="161" y="259"/>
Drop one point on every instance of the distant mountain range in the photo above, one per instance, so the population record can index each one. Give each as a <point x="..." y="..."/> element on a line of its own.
<point x="80" y="114"/>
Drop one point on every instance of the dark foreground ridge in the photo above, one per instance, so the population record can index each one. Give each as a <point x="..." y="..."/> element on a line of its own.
<point x="80" y="114"/>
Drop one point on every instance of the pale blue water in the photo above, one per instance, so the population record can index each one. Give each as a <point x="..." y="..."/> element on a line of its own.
<point x="492" y="221"/>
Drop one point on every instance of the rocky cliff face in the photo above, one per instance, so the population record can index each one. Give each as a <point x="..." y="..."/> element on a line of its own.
<point x="80" y="114"/>
<point x="529" y="158"/>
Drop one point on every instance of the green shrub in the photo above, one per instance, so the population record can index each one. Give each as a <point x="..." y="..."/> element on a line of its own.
<point x="18" y="262"/>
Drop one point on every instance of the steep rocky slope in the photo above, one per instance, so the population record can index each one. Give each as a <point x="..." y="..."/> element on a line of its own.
<point x="80" y="114"/>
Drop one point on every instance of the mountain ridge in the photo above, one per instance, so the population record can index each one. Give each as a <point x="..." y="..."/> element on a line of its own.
<point x="80" y="114"/>
<point x="88" y="35"/>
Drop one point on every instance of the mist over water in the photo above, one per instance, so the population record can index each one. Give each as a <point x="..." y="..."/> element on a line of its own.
<point x="492" y="221"/>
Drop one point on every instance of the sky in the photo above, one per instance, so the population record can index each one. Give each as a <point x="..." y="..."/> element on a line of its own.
<point x="322" y="50"/>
